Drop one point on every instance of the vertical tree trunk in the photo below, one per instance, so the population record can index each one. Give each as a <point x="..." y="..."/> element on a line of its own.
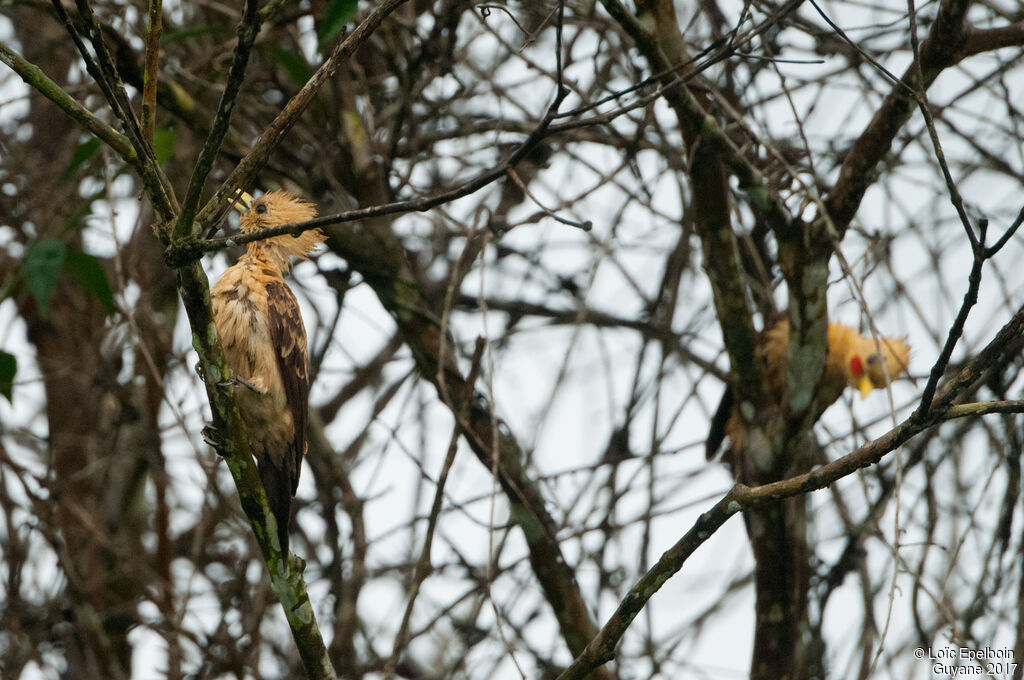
<point x="97" y="471"/>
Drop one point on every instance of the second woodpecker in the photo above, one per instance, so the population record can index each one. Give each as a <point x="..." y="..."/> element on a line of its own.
<point x="852" y="360"/>
<point x="264" y="341"/>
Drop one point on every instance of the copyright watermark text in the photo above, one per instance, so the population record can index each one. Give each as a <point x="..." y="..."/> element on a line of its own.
<point x="966" y="662"/>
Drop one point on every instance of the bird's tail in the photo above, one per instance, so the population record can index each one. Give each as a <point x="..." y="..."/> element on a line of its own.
<point x="279" y="494"/>
<point x="716" y="435"/>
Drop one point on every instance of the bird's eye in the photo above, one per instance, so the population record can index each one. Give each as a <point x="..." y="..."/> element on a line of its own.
<point x="874" y="358"/>
<point x="261" y="209"/>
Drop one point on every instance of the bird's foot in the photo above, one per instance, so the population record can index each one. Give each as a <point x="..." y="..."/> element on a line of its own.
<point x="212" y="436"/>
<point x="236" y="380"/>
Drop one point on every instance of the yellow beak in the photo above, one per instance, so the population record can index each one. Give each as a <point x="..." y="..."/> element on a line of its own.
<point x="865" y="386"/>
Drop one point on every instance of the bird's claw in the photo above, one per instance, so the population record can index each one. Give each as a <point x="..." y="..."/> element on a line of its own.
<point x="236" y="380"/>
<point x="212" y="436"/>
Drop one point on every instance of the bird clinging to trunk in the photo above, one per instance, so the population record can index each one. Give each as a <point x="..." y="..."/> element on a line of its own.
<point x="853" y="360"/>
<point x="264" y="342"/>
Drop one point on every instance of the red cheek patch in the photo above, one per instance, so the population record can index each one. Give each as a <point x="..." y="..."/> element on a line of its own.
<point x="856" y="367"/>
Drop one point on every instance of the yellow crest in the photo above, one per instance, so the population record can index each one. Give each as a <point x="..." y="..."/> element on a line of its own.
<point x="276" y="208"/>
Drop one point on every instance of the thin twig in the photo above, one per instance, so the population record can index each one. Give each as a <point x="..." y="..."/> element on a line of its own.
<point x="601" y="649"/>
<point x="248" y="29"/>
<point x="423" y="567"/>
<point x="861" y="51"/>
<point x="104" y="72"/>
<point x="254" y="161"/>
<point x="1007" y="235"/>
<point x="921" y="97"/>
<point x="485" y="11"/>
<point x="180" y="254"/>
<point x="586" y="225"/>
<point x="957" y="329"/>
<point x="101" y="68"/>
<point x="34" y="77"/>
<point x="938" y="52"/>
<point x="150" y="72"/>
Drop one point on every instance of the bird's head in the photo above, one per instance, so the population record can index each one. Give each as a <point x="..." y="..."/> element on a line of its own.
<point x="858" y="378"/>
<point x="870" y="368"/>
<point x="274" y="209"/>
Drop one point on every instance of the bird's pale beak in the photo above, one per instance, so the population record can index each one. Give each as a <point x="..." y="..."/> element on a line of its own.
<point x="242" y="201"/>
<point x="865" y="386"/>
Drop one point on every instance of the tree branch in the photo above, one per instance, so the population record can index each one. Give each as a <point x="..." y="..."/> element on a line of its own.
<point x="104" y="72"/>
<point x="938" y="52"/>
<point x="247" y="168"/>
<point x="248" y="29"/>
<point x="377" y="254"/>
<point x="186" y="251"/>
<point x="35" y="78"/>
<point x="153" y="30"/>
<point x="232" y="444"/>
<point x="741" y="498"/>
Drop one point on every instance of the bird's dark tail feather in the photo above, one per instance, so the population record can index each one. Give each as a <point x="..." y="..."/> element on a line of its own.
<point x="716" y="435"/>
<point x="279" y="494"/>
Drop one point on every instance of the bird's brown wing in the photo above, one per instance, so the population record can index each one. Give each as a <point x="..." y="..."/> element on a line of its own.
<point x="289" y="338"/>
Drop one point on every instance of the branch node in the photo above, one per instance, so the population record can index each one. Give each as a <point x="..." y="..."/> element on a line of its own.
<point x="182" y="252"/>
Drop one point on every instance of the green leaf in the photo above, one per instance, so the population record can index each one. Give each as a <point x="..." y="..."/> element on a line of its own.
<point x="90" y="275"/>
<point x="295" y="65"/>
<point x="40" y="269"/>
<point x="163" y="144"/>
<point x="81" y="154"/>
<point x="338" y="13"/>
<point x="8" y="368"/>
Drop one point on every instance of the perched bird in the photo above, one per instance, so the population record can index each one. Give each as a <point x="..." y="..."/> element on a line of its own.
<point x="853" y="360"/>
<point x="264" y="342"/>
